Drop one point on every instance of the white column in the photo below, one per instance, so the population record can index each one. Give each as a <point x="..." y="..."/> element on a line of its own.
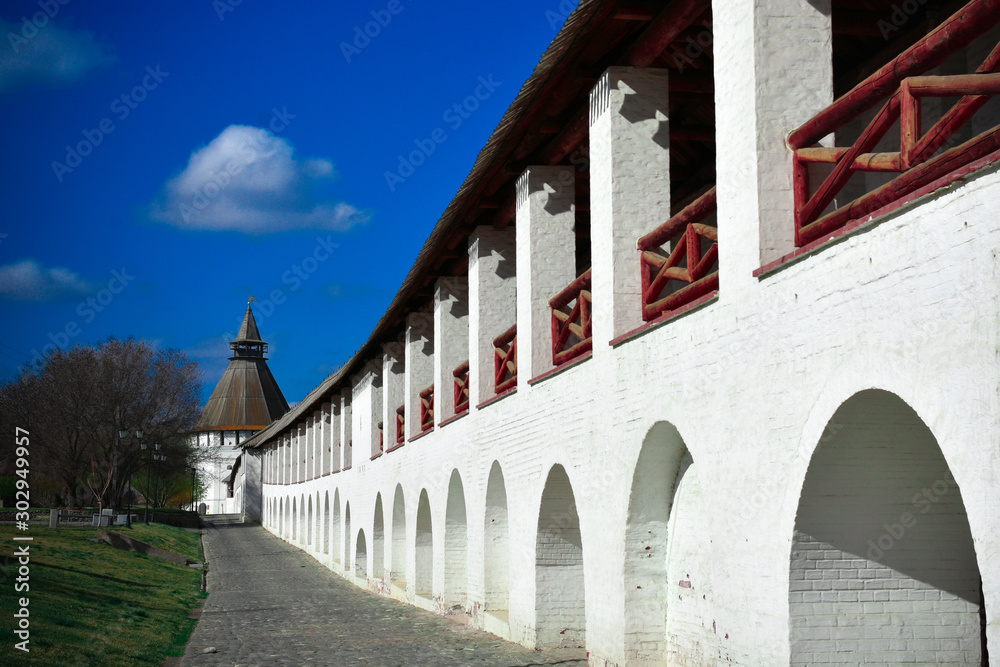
<point x="393" y="389"/>
<point x="419" y="365"/>
<point x="310" y="456"/>
<point x="346" y="428"/>
<point x="326" y="443"/>
<point x="546" y="260"/>
<point x="336" y="434"/>
<point x="629" y="190"/>
<point x="492" y="302"/>
<point x="451" y="341"/>
<point x="366" y="400"/>
<point x="773" y="72"/>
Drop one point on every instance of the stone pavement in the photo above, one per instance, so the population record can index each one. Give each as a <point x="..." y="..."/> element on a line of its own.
<point x="271" y="604"/>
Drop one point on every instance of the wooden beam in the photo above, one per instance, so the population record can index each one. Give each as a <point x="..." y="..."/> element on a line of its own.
<point x="665" y="28"/>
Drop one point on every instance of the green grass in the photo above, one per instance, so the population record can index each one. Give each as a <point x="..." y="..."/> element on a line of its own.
<point x="91" y="604"/>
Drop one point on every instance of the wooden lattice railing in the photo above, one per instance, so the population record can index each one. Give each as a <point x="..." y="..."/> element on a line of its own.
<point x="427" y="409"/>
<point x="505" y="360"/>
<point x="691" y="270"/>
<point x="571" y="326"/>
<point x="901" y="89"/>
<point x="400" y="424"/>
<point x="461" y="375"/>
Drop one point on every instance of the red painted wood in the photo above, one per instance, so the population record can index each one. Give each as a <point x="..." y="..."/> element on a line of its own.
<point x="956" y="32"/>
<point x="872" y="134"/>
<point x="914" y="179"/>
<point x="699" y="209"/>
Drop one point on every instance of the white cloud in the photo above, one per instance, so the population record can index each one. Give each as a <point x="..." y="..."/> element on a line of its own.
<point x="28" y="280"/>
<point x="48" y="55"/>
<point x="248" y="180"/>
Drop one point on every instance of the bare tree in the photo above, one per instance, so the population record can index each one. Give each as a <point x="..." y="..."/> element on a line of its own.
<point x="74" y="402"/>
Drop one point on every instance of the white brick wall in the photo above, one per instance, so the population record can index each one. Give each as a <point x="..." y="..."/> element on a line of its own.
<point x="737" y="396"/>
<point x="456" y="540"/>
<point x="559" y="587"/>
<point x="399" y="538"/>
<point x="378" y="540"/>
<point x="910" y="592"/>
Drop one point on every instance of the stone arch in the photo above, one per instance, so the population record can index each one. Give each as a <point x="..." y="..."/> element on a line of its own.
<point x="664" y="496"/>
<point x="281" y="516"/>
<point x="336" y="530"/>
<point x="295" y="518"/>
<point x="302" y="518"/>
<point x="880" y="508"/>
<point x="456" y="545"/>
<point x="423" y="549"/>
<point x="318" y="526"/>
<point x="347" y="536"/>
<point x="361" y="556"/>
<point x="398" y="571"/>
<point x="286" y="533"/>
<point x="496" y="557"/>
<point x="560" y="610"/>
<point x="378" y="540"/>
<point x="326" y="522"/>
<point x="309" y="523"/>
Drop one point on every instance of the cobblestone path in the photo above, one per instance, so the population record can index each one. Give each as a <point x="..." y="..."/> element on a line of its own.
<point x="271" y="604"/>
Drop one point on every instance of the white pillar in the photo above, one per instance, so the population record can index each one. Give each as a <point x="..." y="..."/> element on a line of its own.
<point x="492" y="302"/>
<point x="419" y="365"/>
<point x="451" y="341"/>
<point x="336" y="430"/>
<point x="346" y="427"/>
<point x="366" y="400"/>
<point x="629" y="190"/>
<point x="773" y="72"/>
<point x="303" y="451"/>
<point x="546" y="260"/>
<point x="327" y="440"/>
<point x="393" y="389"/>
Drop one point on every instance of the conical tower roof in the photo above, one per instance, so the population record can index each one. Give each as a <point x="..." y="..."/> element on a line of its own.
<point x="247" y="398"/>
<point x="248" y="330"/>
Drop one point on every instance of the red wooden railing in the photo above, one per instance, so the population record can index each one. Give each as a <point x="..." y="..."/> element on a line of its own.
<point x="461" y="375"/>
<point x="571" y="327"/>
<point x="691" y="270"/>
<point x="505" y="360"/>
<point x="400" y="424"/>
<point x="900" y="88"/>
<point x="381" y="437"/>
<point x="427" y="409"/>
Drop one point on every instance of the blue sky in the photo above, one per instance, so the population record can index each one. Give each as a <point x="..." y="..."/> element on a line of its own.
<point x="165" y="158"/>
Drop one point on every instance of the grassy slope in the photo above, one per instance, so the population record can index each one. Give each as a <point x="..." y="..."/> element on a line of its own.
<point x="94" y="605"/>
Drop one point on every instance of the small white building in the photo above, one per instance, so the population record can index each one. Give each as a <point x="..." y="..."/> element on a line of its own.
<point x="246" y="399"/>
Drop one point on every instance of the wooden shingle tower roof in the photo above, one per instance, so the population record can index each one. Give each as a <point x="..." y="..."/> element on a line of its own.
<point x="247" y="398"/>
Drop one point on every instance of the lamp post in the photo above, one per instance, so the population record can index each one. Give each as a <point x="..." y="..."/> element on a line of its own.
<point x="194" y="507"/>
<point x="122" y="435"/>
<point x="149" y="469"/>
<point x="158" y="458"/>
